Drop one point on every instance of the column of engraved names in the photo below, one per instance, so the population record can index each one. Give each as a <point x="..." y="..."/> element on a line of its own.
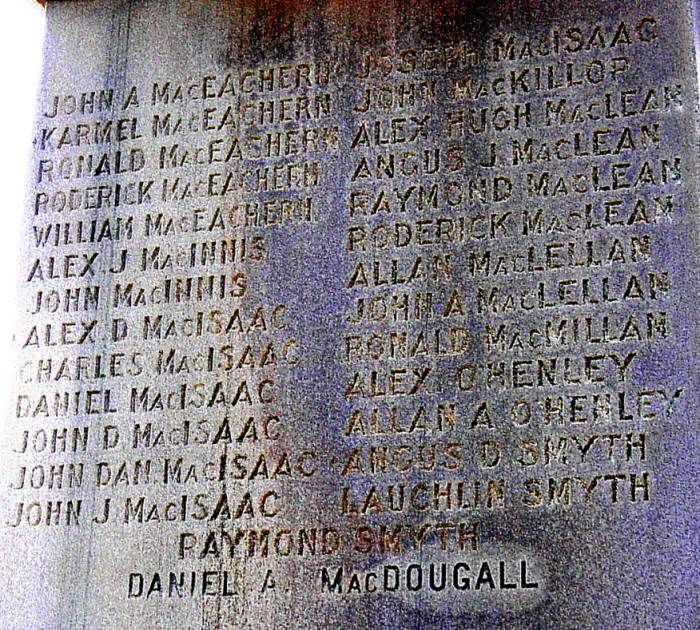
<point x="404" y="443"/>
<point x="579" y="292"/>
<point x="152" y="362"/>
<point x="505" y="212"/>
<point x="68" y="385"/>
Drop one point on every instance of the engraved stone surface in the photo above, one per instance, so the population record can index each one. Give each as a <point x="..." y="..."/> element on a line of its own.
<point x="358" y="314"/>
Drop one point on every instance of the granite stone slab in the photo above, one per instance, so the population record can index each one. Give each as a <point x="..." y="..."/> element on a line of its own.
<point x="358" y="315"/>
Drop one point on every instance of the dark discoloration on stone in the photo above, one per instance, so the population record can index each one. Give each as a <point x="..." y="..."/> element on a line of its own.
<point x="328" y="429"/>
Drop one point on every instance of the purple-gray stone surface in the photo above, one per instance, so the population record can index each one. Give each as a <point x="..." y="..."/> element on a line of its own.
<point x="358" y="315"/>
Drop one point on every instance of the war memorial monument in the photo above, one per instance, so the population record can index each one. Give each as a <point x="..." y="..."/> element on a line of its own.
<point x="358" y="314"/>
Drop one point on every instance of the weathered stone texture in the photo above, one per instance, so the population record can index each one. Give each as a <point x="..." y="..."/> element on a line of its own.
<point x="358" y="315"/>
